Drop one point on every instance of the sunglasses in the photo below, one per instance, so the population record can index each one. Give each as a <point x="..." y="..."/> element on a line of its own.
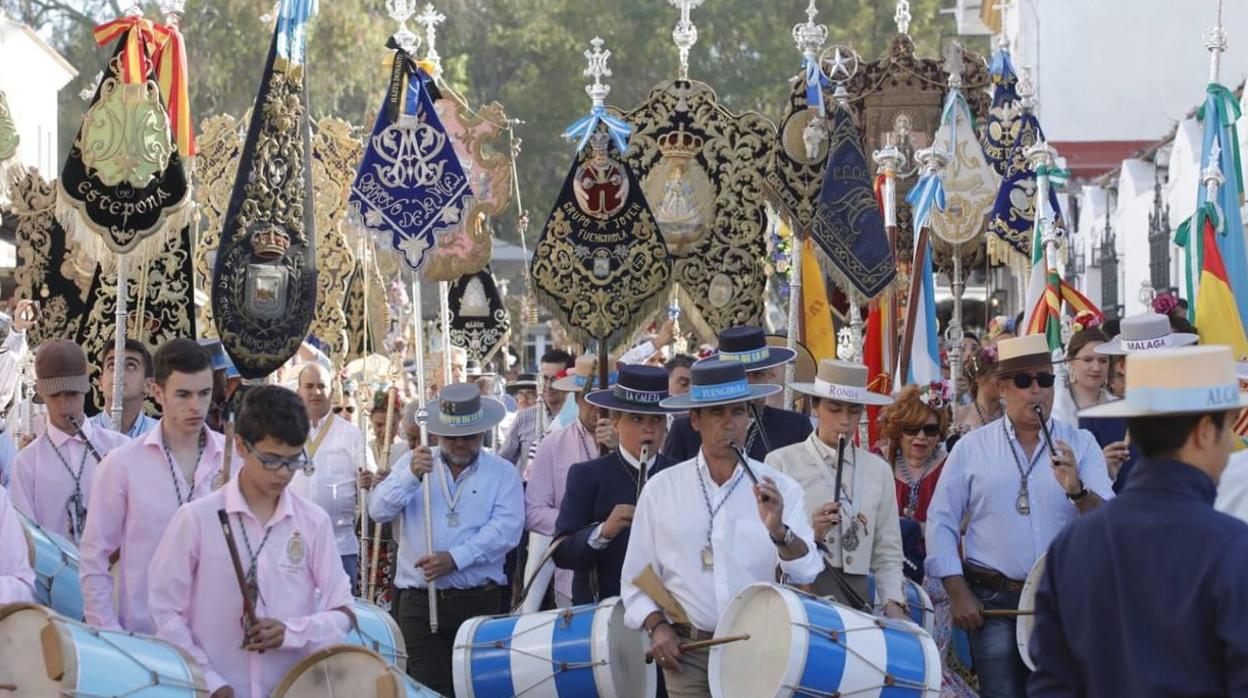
<point x="339" y="409"/>
<point x="927" y="429"/>
<point x="275" y="463"/>
<point x="1022" y="381"/>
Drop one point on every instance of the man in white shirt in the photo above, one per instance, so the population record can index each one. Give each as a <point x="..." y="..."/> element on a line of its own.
<point x="1233" y="487"/>
<point x="703" y="530"/>
<point x="339" y="454"/>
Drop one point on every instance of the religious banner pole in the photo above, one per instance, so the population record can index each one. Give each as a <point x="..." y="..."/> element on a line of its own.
<point x="889" y="160"/>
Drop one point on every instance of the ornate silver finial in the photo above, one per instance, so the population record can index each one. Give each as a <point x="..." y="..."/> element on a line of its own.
<point x="597" y="69"/>
<point x="844" y="65"/>
<point x="902" y="17"/>
<point x="1212" y="176"/>
<point x="845" y="344"/>
<point x="1147" y="293"/>
<point x="685" y="34"/>
<point x="954" y="63"/>
<point x="401" y="11"/>
<point x="1216" y="43"/>
<point x="1041" y="155"/>
<point x="1003" y="40"/>
<point x="172" y="11"/>
<point x="808" y="36"/>
<point x="1026" y="90"/>
<point x="134" y="9"/>
<point x="932" y="158"/>
<point x="430" y="18"/>
<point x="86" y="93"/>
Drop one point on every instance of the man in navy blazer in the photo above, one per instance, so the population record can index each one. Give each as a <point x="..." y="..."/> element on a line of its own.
<point x="597" y="507"/>
<point x="772" y="428"/>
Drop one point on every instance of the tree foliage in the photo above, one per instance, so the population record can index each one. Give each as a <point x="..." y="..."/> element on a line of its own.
<point x="525" y="54"/>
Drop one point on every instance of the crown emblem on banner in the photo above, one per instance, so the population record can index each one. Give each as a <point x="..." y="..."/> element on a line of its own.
<point x="270" y="242"/>
<point x="679" y="144"/>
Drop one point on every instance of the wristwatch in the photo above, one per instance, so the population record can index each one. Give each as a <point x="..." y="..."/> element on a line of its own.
<point x="785" y="540"/>
<point x="650" y="630"/>
<point x="1083" y="492"/>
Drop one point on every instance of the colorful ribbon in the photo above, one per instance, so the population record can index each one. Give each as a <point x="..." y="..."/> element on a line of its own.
<point x="816" y="80"/>
<point x="292" y="29"/>
<point x="150" y="44"/>
<point x="929" y="191"/>
<point x="1057" y="176"/>
<point x="1224" y="102"/>
<point x="585" y="127"/>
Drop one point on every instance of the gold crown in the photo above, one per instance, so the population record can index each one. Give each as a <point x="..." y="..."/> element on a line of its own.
<point x="680" y="143"/>
<point x="270" y="242"/>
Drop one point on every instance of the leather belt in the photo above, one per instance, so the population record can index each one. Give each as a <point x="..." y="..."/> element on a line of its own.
<point x="990" y="579"/>
<point x="458" y="593"/>
<point x="688" y="631"/>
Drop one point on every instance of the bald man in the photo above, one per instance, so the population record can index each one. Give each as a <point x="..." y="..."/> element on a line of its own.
<point x="339" y="455"/>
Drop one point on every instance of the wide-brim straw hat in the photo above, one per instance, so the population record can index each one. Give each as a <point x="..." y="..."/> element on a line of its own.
<point x="584" y="375"/>
<point x="841" y="381"/>
<point x="522" y="382"/>
<point x="461" y="410"/>
<point x="1145" y="332"/>
<point x="1188" y="380"/>
<point x="714" y="382"/>
<point x="804" y="364"/>
<point x="639" y="389"/>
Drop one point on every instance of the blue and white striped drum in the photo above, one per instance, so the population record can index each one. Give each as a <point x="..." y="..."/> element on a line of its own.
<point x="55" y="561"/>
<point x="339" y="671"/>
<point x="43" y="654"/>
<point x="802" y="645"/>
<point x="579" y="652"/>
<point x="378" y="632"/>
<point x="918" y="602"/>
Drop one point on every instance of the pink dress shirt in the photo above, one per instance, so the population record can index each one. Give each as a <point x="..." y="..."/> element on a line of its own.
<point x="132" y="500"/>
<point x="41" y="484"/>
<point x="548" y="478"/>
<point x="17" y="579"/>
<point x="196" y="604"/>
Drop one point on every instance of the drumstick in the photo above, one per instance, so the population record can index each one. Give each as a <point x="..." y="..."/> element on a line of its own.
<point x="745" y="465"/>
<point x="702" y="644"/>
<point x="249" y="611"/>
<point x="1005" y="612"/>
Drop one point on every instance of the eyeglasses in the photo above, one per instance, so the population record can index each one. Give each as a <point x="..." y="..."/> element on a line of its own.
<point x="1022" y="381"/>
<point x="927" y="429"/>
<point x="338" y="409"/>
<point x="275" y="463"/>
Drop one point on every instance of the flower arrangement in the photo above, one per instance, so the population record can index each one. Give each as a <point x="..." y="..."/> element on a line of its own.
<point x="1087" y="320"/>
<point x="937" y="394"/>
<point x="1165" y="303"/>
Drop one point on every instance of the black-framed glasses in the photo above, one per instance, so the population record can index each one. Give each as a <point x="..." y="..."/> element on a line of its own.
<point x="1022" y="381"/>
<point x="274" y="463"/>
<point x="339" y="409"/>
<point x="927" y="429"/>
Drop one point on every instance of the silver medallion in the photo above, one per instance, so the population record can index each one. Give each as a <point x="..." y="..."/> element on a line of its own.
<point x="1023" y="503"/>
<point x="452" y="519"/>
<point x="708" y="559"/>
<point x="849" y="540"/>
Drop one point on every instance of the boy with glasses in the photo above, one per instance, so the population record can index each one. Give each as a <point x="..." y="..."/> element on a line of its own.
<point x="1014" y="507"/>
<point x="301" y="595"/>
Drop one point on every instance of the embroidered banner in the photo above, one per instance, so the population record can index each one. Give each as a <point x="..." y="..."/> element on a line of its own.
<point x="479" y="321"/>
<point x="848" y="229"/>
<point x="796" y="162"/>
<point x="410" y="186"/>
<point x="265" y="278"/>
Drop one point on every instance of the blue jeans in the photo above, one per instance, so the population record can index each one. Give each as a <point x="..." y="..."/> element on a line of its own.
<point x="351" y="563"/>
<point x="994" y="648"/>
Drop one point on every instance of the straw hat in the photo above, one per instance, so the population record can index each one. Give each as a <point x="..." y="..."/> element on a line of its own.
<point x="715" y="382"/>
<point x="805" y="364"/>
<point x="1177" y="381"/>
<point x="461" y="410"/>
<point x="522" y="382"/>
<point x="583" y="375"/>
<point x="842" y="381"/>
<point x="1145" y="332"/>
<point x="1027" y="353"/>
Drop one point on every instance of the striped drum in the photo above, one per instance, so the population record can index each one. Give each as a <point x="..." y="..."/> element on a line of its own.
<point x="578" y="652"/>
<point x="378" y="632"/>
<point x="55" y="561"/>
<point x="802" y="645"/>
<point x="43" y="654"/>
<point x="348" y="670"/>
<point x="917" y="601"/>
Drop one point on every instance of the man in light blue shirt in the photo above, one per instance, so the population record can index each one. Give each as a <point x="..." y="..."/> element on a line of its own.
<point x="476" y="508"/>
<point x="1016" y="493"/>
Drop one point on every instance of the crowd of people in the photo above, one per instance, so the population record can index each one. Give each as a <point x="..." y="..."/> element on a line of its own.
<point x="673" y="485"/>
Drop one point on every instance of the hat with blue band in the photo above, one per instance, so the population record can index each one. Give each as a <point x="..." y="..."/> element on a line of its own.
<point x="1190" y="380"/>
<point x="461" y="410"/>
<point x="717" y="382"/>
<point x="583" y="376"/>
<point x="639" y="389"/>
<point x="748" y="345"/>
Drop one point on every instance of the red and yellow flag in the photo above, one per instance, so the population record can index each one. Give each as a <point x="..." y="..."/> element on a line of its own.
<point x="1217" y="316"/>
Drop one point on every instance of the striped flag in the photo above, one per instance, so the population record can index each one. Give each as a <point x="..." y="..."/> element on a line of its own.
<point x="1217" y="317"/>
<point x="922" y="330"/>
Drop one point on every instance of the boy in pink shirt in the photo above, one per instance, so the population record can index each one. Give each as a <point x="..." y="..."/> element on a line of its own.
<point x="140" y="485"/>
<point x="17" y="579"/>
<point x="52" y="476"/>
<point x="302" y="596"/>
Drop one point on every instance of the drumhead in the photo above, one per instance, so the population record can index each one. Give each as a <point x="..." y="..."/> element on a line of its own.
<point x="626" y="674"/>
<point x="337" y="670"/>
<point x="22" y="662"/>
<point x="1027" y="601"/>
<point x="773" y="656"/>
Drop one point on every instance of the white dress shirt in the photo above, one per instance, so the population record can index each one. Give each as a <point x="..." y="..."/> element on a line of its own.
<point x="669" y="533"/>
<point x="1233" y="487"/>
<point x="337" y="461"/>
<point x="12" y="351"/>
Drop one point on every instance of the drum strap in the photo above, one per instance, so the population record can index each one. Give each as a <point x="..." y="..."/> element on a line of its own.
<point x="847" y="590"/>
